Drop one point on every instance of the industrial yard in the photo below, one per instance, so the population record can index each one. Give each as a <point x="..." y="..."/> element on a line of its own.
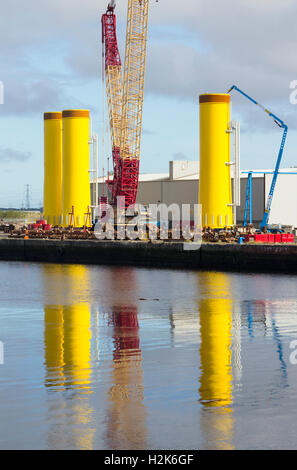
<point x="148" y="295"/>
<point x="226" y="204"/>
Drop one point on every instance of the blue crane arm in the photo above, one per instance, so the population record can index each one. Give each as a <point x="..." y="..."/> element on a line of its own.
<point x="274" y="179"/>
<point x="282" y="125"/>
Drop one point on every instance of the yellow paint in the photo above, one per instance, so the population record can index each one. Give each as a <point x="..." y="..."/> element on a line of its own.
<point x="53" y="167"/>
<point x="68" y="326"/>
<point x="77" y="353"/>
<point x="215" y="352"/>
<point x="133" y="83"/>
<point x="53" y="345"/>
<point x="77" y="327"/>
<point x="215" y="194"/>
<point x="67" y="345"/>
<point x="76" y="179"/>
<point x="215" y="360"/>
<point x="77" y="346"/>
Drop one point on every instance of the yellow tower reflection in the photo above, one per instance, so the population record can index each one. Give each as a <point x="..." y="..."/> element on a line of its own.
<point x="54" y="345"/>
<point x="215" y="359"/>
<point x="77" y="346"/>
<point x="67" y="347"/>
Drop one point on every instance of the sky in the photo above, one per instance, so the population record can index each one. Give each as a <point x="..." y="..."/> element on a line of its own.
<point x="51" y="60"/>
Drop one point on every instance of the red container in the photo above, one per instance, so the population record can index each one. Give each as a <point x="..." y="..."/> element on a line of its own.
<point x="290" y="238"/>
<point x="47" y="227"/>
<point x="284" y="238"/>
<point x="263" y="238"/>
<point x="278" y="238"/>
<point x="258" y="237"/>
<point x="271" y="238"/>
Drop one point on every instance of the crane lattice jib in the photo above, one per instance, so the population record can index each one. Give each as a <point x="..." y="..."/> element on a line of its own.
<point x="134" y="75"/>
<point x="125" y="97"/>
<point x="113" y="75"/>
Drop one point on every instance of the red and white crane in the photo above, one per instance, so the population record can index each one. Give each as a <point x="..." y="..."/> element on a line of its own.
<point x="125" y="90"/>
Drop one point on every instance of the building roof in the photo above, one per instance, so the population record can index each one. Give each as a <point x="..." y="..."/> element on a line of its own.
<point x="187" y="171"/>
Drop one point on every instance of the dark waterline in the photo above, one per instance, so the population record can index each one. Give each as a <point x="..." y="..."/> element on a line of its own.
<point x="135" y="358"/>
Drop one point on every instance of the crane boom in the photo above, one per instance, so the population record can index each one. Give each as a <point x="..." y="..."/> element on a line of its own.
<point x="282" y="125"/>
<point x="134" y="74"/>
<point x="125" y="96"/>
<point x="113" y="74"/>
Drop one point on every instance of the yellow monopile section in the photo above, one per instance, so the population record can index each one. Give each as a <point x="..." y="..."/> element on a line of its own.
<point x="76" y="179"/>
<point x="215" y="194"/>
<point x="53" y="167"/>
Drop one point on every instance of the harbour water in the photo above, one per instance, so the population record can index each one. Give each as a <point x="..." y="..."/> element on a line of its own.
<point x="134" y="358"/>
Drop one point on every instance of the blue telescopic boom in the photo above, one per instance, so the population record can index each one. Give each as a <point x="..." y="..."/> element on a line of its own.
<point x="282" y="125"/>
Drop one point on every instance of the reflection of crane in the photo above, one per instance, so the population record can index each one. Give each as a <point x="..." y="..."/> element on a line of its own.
<point x="126" y="420"/>
<point x="125" y="96"/>
<point x="282" y="125"/>
<point x="253" y="308"/>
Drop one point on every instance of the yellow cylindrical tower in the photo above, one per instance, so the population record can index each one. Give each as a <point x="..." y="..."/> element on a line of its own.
<point x="76" y="179"/>
<point x="215" y="194"/>
<point x="52" y="199"/>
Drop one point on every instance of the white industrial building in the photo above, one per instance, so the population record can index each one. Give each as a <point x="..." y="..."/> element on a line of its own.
<point x="181" y="184"/>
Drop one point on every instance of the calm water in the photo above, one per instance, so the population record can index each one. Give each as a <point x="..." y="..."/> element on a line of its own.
<point x="126" y="358"/>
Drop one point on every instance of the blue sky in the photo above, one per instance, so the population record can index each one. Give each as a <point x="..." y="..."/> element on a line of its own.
<point x="51" y="60"/>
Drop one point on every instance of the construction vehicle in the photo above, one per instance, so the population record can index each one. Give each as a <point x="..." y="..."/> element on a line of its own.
<point x="125" y="90"/>
<point x="283" y="126"/>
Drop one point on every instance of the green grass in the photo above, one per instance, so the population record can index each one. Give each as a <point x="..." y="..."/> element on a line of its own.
<point x="17" y="215"/>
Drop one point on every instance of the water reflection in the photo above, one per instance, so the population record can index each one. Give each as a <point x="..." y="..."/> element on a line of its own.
<point x="256" y="315"/>
<point x="67" y="334"/>
<point x="215" y="360"/>
<point x="77" y="346"/>
<point x="94" y="357"/>
<point x="54" y="346"/>
<point x="262" y="319"/>
<point x="126" y="414"/>
<point x="67" y="346"/>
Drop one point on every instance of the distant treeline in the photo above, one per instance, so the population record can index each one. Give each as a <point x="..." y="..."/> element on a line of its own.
<point x="16" y="213"/>
<point x="32" y="209"/>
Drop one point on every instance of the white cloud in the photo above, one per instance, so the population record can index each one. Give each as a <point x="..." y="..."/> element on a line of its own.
<point x="179" y="156"/>
<point x="193" y="47"/>
<point x="11" y="155"/>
